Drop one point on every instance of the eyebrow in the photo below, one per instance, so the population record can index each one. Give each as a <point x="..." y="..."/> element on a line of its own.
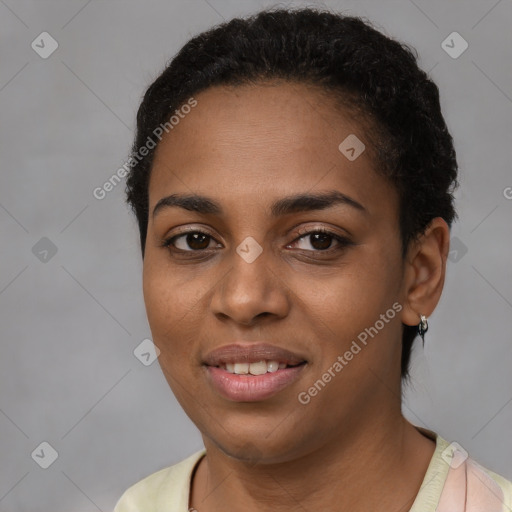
<point x="284" y="206"/>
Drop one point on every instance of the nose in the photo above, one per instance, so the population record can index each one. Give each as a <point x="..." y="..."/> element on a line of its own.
<point x="250" y="291"/>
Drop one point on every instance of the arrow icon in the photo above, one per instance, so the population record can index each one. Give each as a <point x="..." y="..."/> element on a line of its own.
<point x="44" y="250"/>
<point x="249" y="249"/>
<point x="146" y="352"/>
<point x="454" y="45"/>
<point x="44" y="45"/>
<point x="457" y="249"/>
<point x="351" y="147"/>
<point x="44" y="455"/>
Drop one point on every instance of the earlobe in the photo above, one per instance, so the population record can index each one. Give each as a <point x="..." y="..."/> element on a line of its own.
<point x="425" y="271"/>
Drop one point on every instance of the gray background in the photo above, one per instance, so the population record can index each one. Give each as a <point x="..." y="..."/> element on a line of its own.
<point x="70" y="323"/>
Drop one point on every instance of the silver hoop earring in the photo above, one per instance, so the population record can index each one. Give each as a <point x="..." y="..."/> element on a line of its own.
<point x="423" y="327"/>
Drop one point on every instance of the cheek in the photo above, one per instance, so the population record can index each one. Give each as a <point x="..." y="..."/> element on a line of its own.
<point x="175" y="307"/>
<point x="158" y="297"/>
<point x="168" y="304"/>
<point x="344" y="311"/>
<point x="351" y="298"/>
<point x="173" y="322"/>
<point x="167" y="294"/>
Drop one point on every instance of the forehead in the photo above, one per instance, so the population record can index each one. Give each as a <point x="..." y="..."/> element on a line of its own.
<point x="245" y="143"/>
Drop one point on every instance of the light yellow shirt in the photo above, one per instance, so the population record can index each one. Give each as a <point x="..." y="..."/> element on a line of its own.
<point x="168" y="490"/>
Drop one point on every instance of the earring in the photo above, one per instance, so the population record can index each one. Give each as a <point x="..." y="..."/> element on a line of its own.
<point x="423" y="327"/>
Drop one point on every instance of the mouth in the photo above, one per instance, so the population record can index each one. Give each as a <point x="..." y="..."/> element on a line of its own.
<point x="252" y="372"/>
<point x="256" y="368"/>
<point x="242" y="353"/>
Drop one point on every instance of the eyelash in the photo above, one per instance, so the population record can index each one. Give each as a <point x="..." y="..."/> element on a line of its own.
<point x="342" y="241"/>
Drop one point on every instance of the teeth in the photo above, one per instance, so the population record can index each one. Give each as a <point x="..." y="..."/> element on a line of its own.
<point x="272" y="366"/>
<point x="241" y="368"/>
<point x="258" y="368"/>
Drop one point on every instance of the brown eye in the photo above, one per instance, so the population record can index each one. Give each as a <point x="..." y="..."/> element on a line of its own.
<point x="190" y="242"/>
<point x="320" y="240"/>
<point x="197" y="240"/>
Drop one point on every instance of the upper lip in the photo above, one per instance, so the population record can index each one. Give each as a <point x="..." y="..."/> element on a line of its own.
<point x="251" y="353"/>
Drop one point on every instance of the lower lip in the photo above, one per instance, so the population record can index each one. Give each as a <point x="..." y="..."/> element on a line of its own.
<point x="251" y="388"/>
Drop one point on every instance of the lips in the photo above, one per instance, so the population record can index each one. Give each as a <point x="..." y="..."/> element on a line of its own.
<point x="252" y="373"/>
<point x="240" y="353"/>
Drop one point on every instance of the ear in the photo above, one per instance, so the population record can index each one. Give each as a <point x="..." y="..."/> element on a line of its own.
<point x="424" y="273"/>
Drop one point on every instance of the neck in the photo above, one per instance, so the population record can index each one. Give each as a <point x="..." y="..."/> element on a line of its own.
<point x="379" y="467"/>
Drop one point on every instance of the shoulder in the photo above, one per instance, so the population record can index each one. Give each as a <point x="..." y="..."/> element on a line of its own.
<point x="492" y="483"/>
<point x="169" y="488"/>
<point x="455" y="480"/>
<point x="469" y="482"/>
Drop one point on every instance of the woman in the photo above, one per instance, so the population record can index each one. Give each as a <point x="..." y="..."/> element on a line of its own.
<point x="292" y="177"/>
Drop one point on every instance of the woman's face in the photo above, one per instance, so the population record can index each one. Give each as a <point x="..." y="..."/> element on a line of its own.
<point x="242" y="270"/>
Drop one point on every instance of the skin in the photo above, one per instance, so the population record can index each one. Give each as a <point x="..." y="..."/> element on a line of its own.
<point x="349" y="448"/>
